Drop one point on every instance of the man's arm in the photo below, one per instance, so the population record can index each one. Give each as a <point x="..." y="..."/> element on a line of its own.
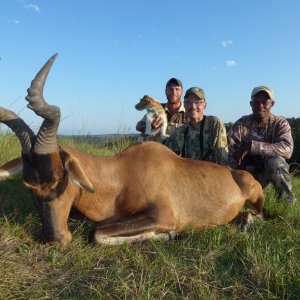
<point x="140" y="126"/>
<point x="282" y="145"/>
<point x="238" y="145"/>
<point x="175" y="141"/>
<point x="221" y="147"/>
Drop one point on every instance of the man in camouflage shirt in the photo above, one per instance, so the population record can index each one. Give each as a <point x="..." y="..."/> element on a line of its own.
<point x="204" y="137"/>
<point x="174" y="110"/>
<point x="260" y="143"/>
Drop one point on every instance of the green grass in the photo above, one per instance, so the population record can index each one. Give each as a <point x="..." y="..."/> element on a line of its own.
<point x="213" y="263"/>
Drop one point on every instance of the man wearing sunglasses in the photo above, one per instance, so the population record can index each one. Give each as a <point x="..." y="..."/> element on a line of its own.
<point x="203" y="137"/>
<point x="261" y="142"/>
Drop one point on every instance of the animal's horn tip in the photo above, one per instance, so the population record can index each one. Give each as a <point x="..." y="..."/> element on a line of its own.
<point x="53" y="57"/>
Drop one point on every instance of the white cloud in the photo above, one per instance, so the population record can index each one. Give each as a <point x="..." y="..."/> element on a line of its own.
<point x="16" y="22"/>
<point x="32" y="7"/>
<point x="231" y="63"/>
<point x="227" y="43"/>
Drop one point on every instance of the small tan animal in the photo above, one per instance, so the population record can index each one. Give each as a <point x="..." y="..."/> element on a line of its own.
<point x="154" y="109"/>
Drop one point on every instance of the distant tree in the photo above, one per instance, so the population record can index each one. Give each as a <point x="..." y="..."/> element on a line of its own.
<point x="295" y="126"/>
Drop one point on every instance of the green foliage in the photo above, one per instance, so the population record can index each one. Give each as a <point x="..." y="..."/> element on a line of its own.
<point x="104" y="146"/>
<point x="10" y="147"/>
<point x="295" y="159"/>
<point x="213" y="263"/>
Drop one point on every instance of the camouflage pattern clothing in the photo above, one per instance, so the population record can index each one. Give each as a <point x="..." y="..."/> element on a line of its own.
<point x="174" y="121"/>
<point x="271" y="144"/>
<point x="203" y="141"/>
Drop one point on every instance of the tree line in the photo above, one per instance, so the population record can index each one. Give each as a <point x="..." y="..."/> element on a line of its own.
<point x="295" y="126"/>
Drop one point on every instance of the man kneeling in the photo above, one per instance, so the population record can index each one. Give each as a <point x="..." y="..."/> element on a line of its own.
<point x="260" y="143"/>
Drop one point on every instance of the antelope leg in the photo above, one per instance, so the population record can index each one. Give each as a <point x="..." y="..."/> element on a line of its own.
<point x="134" y="228"/>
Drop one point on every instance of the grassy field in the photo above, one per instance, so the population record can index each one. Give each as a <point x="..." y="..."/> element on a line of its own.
<point x="214" y="263"/>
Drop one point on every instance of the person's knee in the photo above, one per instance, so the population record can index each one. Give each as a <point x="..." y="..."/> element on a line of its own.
<point x="276" y="163"/>
<point x="277" y="169"/>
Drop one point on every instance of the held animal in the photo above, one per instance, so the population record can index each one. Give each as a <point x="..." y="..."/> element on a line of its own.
<point x="154" y="109"/>
<point x="145" y="192"/>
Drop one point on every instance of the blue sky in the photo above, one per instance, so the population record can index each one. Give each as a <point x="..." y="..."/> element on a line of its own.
<point x="111" y="53"/>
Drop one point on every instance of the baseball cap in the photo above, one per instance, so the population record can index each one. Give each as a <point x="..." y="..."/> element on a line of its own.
<point x="195" y="91"/>
<point x="262" y="88"/>
<point x="174" y="81"/>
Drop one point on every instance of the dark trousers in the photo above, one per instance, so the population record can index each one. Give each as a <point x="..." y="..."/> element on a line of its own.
<point x="273" y="170"/>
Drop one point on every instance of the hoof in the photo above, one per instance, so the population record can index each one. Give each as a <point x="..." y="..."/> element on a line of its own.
<point x="59" y="241"/>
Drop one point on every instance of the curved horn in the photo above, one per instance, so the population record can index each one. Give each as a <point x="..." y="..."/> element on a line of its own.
<point x="46" y="137"/>
<point x="19" y="127"/>
<point x="35" y="92"/>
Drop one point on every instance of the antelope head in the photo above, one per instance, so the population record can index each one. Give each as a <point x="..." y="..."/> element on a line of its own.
<point x="47" y="168"/>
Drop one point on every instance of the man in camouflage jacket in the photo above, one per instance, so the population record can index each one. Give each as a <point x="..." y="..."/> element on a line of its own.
<point x="174" y="110"/>
<point x="260" y="143"/>
<point x="204" y="137"/>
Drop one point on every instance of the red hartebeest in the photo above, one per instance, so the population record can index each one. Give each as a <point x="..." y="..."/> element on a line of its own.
<point x="145" y="192"/>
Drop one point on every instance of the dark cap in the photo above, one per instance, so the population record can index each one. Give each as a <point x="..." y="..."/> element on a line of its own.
<point x="174" y="81"/>
<point x="195" y="91"/>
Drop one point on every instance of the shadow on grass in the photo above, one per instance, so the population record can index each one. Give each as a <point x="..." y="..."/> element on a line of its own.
<point x="15" y="199"/>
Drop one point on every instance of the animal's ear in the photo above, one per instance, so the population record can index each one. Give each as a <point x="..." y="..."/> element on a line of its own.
<point x="77" y="174"/>
<point x="13" y="167"/>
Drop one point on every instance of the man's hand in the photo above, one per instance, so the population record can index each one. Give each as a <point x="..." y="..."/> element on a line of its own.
<point x="242" y="153"/>
<point x="140" y="126"/>
<point x="156" y="123"/>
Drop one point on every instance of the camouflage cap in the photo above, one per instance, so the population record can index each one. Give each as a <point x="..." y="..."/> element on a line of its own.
<point x="262" y="88"/>
<point x="195" y="91"/>
<point x="174" y="81"/>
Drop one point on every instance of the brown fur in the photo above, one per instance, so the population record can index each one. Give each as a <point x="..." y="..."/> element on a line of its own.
<point x="147" y="100"/>
<point x="133" y="196"/>
<point x="144" y="192"/>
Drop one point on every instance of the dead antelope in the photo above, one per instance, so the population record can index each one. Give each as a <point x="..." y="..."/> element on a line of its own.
<point x="145" y="192"/>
